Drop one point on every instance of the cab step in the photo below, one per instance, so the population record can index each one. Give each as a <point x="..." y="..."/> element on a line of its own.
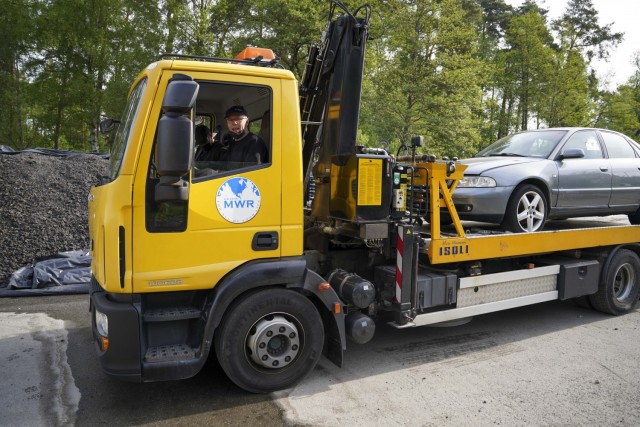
<point x="169" y="353"/>
<point x="169" y="314"/>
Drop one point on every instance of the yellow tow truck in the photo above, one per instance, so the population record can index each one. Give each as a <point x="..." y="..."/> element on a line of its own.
<point x="270" y="264"/>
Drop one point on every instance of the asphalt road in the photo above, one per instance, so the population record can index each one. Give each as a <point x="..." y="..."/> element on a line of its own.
<point x="43" y="329"/>
<point x="548" y="364"/>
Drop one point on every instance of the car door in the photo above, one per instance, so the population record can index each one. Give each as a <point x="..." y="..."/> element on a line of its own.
<point x="625" y="170"/>
<point x="584" y="181"/>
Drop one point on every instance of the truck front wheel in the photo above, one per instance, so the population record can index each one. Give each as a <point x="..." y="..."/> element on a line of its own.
<point x="620" y="284"/>
<point x="269" y="340"/>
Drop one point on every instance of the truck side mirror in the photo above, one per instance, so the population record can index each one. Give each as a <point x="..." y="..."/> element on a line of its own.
<point x="107" y="125"/>
<point x="174" y="146"/>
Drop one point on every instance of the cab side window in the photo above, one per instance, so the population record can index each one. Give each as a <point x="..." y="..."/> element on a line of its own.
<point x="241" y="137"/>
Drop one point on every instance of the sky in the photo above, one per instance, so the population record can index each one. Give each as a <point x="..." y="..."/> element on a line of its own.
<point x="623" y="16"/>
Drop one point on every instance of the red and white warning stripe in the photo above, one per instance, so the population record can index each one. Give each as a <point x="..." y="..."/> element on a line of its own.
<point x="400" y="249"/>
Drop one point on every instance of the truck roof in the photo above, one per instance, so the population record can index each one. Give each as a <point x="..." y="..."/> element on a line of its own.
<point x="227" y="68"/>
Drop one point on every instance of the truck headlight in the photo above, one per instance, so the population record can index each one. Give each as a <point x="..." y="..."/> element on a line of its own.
<point x="476" y="182"/>
<point x="102" y="323"/>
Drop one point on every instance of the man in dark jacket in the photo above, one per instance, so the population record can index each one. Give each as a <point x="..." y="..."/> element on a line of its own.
<point x="245" y="146"/>
<point x="209" y="147"/>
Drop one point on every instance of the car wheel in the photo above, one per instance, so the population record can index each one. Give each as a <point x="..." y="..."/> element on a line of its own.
<point x="620" y="284"/>
<point x="269" y="340"/>
<point x="526" y="210"/>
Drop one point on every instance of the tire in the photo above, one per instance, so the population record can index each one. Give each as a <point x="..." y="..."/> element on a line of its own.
<point x="620" y="284"/>
<point x="269" y="340"/>
<point x="634" y="218"/>
<point x="526" y="210"/>
<point x="582" y="302"/>
<point x="446" y="221"/>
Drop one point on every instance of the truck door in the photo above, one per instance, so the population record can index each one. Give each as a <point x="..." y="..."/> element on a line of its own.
<point x="584" y="181"/>
<point x="233" y="211"/>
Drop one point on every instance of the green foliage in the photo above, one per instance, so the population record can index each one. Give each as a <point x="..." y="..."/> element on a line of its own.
<point x="459" y="72"/>
<point x="423" y="77"/>
<point x="620" y="110"/>
<point x="15" y="28"/>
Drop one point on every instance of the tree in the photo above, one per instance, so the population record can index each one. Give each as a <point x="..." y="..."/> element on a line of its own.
<point x="528" y="61"/>
<point x="621" y="109"/>
<point x="581" y="38"/>
<point x="579" y="28"/>
<point x="425" y="79"/>
<point x="497" y="92"/>
<point x="288" y="27"/>
<point x="566" y="99"/>
<point x="15" y="27"/>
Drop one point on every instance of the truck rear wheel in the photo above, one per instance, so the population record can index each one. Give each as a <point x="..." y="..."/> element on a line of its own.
<point x="618" y="292"/>
<point x="269" y="340"/>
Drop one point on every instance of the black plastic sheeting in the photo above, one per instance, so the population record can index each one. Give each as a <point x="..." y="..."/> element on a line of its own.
<point x="4" y="149"/>
<point x="65" y="273"/>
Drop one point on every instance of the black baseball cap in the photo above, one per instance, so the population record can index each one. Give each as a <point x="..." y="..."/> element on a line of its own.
<point x="236" y="110"/>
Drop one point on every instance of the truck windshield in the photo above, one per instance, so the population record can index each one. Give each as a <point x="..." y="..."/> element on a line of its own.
<point x="123" y="133"/>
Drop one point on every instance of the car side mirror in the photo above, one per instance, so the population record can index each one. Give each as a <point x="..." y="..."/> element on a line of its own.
<point x="572" y="153"/>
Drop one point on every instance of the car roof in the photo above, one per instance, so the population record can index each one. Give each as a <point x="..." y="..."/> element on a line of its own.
<point x="573" y="129"/>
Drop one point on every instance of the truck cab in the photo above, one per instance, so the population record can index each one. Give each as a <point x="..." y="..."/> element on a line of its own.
<point x="163" y="239"/>
<point x="230" y="210"/>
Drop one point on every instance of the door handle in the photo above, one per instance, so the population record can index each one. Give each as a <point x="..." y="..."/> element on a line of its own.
<point x="604" y="168"/>
<point x="265" y="241"/>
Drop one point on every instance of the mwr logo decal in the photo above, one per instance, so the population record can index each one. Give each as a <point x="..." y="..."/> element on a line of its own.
<point x="238" y="200"/>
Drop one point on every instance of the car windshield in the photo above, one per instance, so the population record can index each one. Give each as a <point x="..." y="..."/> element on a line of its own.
<point x="525" y="144"/>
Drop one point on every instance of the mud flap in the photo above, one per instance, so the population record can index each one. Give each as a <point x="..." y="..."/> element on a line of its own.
<point x="335" y="337"/>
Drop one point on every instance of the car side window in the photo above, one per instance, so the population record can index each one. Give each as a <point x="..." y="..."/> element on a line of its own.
<point x="617" y="146"/>
<point x="587" y="141"/>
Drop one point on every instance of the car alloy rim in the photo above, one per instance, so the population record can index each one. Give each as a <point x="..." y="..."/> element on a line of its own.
<point x="273" y="342"/>
<point x="531" y="211"/>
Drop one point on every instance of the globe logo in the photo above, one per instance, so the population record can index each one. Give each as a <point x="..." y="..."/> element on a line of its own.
<point x="238" y="200"/>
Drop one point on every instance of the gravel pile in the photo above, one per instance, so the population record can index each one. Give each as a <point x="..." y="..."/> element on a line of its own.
<point x="43" y="206"/>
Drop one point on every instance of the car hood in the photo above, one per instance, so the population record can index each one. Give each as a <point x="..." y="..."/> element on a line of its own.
<point x="479" y="165"/>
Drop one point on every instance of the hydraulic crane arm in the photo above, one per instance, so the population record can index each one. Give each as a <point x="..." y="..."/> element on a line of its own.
<point x="330" y="92"/>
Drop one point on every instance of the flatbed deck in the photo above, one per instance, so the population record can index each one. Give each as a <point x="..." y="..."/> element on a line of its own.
<point x="488" y="241"/>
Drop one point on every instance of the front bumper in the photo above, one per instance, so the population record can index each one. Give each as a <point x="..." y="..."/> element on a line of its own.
<point x="122" y="359"/>
<point x="482" y="204"/>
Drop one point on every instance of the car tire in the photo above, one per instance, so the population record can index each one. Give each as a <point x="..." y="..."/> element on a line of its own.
<point x="634" y="219"/>
<point x="619" y="285"/>
<point x="269" y="340"/>
<point x="526" y="210"/>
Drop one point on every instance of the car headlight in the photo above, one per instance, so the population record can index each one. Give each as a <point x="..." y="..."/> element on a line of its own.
<point x="476" y="182"/>
<point x="102" y="323"/>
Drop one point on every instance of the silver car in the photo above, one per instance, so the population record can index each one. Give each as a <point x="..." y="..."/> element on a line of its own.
<point x="524" y="179"/>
